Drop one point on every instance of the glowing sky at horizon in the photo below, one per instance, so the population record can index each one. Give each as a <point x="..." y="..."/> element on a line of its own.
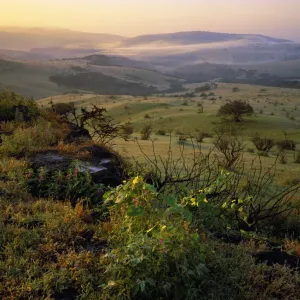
<point x="133" y="17"/>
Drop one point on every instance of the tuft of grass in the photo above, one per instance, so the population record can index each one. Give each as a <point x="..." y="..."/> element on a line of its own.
<point x="25" y="140"/>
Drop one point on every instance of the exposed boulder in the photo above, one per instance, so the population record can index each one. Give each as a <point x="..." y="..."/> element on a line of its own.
<point x="77" y="134"/>
<point x="278" y="256"/>
<point x="22" y="112"/>
<point x="104" y="166"/>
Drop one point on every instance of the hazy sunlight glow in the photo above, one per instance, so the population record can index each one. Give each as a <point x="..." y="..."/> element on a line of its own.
<point x="133" y="17"/>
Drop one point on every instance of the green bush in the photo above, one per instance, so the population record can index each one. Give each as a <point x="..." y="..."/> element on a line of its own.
<point x="146" y="132"/>
<point x="161" y="132"/>
<point x="26" y="140"/>
<point x="263" y="144"/>
<point x="286" y="144"/>
<point x="72" y="185"/>
<point x="155" y="252"/>
<point x="8" y="103"/>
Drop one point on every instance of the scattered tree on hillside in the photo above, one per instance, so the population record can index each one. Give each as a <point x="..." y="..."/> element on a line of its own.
<point x="264" y="144"/>
<point x="230" y="147"/>
<point x="102" y="128"/>
<point x="236" y="109"/>
<point x="146" y="132"/>
<point x="127" y="130"/>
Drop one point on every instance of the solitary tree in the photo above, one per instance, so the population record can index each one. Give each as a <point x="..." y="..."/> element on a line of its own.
<point x="236" y="109"/>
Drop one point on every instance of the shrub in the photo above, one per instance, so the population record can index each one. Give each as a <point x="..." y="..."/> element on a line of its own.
<point x="13" y="106"/>
<point x="146" y="132"/>
<point x="286" y="145"/>
<point x="26" y="140"/>
<point x="161" y="132"/>
<point x="263" y="144"/>
<point x="73" y="185"/>
<point x="127" y="130"/>
<point x="102" y="127"/>
<point x="182" y="139"/>
<point x="250" y="150"/>
<point x="282" y="157"/>
<point x="230" y="147"/>
<point x="236" y="109"/>
<point x="203" y="88"/>
<point x="62" y="109"/>
<point x="297" y="157"/>
<point x="201" y="135"/>
<point x="151" y="240"/>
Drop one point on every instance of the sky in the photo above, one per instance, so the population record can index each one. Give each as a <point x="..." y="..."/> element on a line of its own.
<point x="278" y="18"/>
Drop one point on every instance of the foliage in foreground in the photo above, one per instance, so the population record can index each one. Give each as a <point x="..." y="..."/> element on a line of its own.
<point x="148" y="249"/>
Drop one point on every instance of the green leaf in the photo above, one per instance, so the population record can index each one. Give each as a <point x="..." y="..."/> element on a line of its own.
<point x="124" y="229"/>
<point x="188" y="215"/>
<point x="224" y="205"/>
<point x="142" y="285"/>
<point x="134" y="211"/>
<point x="149" y="187"/>
<point x="292" y="252"/>
<point x="171" y="200"/>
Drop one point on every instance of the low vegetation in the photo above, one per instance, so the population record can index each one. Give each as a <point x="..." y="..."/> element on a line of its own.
<point x="193" y="218"/>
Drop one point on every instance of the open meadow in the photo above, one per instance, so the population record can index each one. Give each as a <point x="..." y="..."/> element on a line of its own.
<point x="276" y="115"/>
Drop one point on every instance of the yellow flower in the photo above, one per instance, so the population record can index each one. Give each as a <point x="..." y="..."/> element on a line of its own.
<point x="163" y="228"/>
<point x="205" y="200"/>
<point x="135" y="180"/>
<point x="201" y="191"/>
<point x="194" y="201"/>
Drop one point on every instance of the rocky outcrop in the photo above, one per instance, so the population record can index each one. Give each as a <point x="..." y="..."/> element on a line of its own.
<point x="278" y="256"/>
<point x="77" y="134"/>
<point x="104" y="166"/>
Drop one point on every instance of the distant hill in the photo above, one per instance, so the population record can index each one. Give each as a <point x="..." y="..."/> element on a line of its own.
<point x="18" y="38"/>
<point x="196" y="37"/>
<point x="113" y="61"/>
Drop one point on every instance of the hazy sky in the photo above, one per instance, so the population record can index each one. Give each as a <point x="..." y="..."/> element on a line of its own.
<point x="132" y="17"/>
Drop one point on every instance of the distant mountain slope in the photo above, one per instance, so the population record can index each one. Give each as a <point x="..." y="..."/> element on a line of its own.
<point x="46" y="78"/>
<point x="196" y="37"/>
<point x="27" y="38"/>
<point x="112" y="60"/>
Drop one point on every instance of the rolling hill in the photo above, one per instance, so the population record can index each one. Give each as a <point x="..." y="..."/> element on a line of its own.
<point x="43" y="62"/>
<point x="48" y="78"/>
<point x="19" y="38"/>
<point x="197" y="37"/>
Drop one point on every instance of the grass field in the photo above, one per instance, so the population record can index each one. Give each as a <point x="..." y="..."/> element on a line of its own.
<point x="277" y="112"/>
<point x="276" y="109"/>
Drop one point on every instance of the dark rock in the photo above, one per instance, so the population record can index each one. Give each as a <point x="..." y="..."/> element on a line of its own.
<point x="23" y="111"/>
<point x="77" y="134"/>
<point x="87" y="243"/>
<point x="51" y="160"/>
<point x="67" y="294"/>
<point x="103" y="165"/>
<point x="87" y="235"/>
<point x="228" y="238"/>
<point x="278" y="256"/>
<point x="3" y="177"/>
<point x="97" y="247"/>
